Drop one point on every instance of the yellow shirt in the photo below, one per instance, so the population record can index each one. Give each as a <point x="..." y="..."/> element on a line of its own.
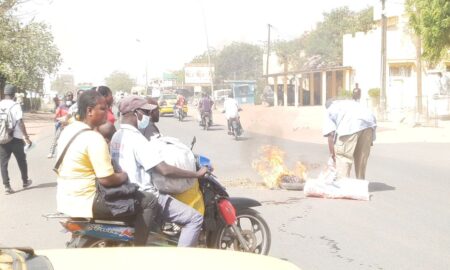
<point x="86" y="158"/>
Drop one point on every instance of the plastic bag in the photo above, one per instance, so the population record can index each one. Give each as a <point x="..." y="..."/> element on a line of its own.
<point x="177" y="154"/>
<point x="328" y="186"/>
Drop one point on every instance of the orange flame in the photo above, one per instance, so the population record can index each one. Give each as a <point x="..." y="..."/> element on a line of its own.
<point x="271" y="166"/>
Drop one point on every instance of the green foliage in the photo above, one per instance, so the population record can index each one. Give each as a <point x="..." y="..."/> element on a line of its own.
<point x="290" y="52"/>
<point x="345" y="94"/>
<point x="430" y="20"/>
<point x="179" y="76"/>
<point x="27" y="51"/>
<point x="239" y="61"/>
<point x="63" y="83"/>
<point x="119" y="81"/>
<point x="203" y="58"/>
<point x="374" y="92"/>
<point x="326" y="39"/>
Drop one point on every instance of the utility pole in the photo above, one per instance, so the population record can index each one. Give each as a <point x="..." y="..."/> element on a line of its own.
<point x="268" y="53"/>
<point x="419" y="75"/>
<point x="208" y="52"/>
<point x="418" y="69"/>
<point x="383" y="59"/>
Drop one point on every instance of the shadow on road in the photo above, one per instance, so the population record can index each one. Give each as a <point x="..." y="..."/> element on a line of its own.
<point x="242" y="139"/>
<point x="377" y="186"/>
<point x="215" y="128"/>
<point x="43" y="185"/>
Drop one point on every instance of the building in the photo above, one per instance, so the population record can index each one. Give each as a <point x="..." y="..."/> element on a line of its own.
<point x="362" y="52"/>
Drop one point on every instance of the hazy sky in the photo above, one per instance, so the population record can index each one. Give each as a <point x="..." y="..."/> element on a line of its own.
<point x="96" y="37"/>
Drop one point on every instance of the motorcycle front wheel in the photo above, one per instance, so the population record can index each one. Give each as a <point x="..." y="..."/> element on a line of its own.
<point x="254" y="229"/>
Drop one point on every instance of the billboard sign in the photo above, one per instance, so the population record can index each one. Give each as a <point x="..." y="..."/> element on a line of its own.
<point x="197" y="74"/>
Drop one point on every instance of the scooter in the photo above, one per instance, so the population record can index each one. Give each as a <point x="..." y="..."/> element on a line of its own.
<point x="229" y="223"/>
<point x="179" y="113"/>
<point x="235" y="127"/>
<point x="206" y="120"/>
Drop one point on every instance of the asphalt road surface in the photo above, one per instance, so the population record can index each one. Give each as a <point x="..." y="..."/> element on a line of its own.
<point x="405" y="225"/>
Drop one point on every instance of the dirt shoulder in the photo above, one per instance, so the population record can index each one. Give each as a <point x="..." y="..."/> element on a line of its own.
<point x="37" y="122"/>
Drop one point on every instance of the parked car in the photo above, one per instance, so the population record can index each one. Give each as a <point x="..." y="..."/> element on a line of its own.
<point x="167" y="102"/>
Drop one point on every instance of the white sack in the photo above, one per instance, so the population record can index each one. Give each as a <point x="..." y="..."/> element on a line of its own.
<point x="177" y="154"/>
<point x="326" y="186"/>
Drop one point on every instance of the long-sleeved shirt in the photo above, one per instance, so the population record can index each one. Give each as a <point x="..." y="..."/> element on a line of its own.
<point x="346" y="117"/>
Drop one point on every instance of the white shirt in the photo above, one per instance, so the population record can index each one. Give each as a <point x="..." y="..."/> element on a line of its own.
<point x="231" y="108"/>
<point x="136" y="156"/>
<point x="16" y="114"/>
<point x="347" y="117"/>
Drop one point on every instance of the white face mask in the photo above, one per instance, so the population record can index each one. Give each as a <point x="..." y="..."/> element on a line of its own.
<point x="142" y="124"/>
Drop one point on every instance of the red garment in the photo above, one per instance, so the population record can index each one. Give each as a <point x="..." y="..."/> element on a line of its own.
<point x="61" y="111"/>
<point x="110" y="116"/>
<point x="181" y="101"/>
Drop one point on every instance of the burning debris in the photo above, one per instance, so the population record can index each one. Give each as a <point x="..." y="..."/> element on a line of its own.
<point x="274" y="172"/>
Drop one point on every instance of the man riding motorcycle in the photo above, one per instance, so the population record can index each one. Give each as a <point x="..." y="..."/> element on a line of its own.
<point x="205" y="106"/>
<point x="142" y="158"/>
<point x="231" y="109"/>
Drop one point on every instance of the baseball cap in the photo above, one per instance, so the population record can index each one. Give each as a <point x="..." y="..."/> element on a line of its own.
<point x="132" y="103"/>
<point x="10" y="89"/>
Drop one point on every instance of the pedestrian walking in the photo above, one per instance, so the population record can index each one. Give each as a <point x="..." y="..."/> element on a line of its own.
<point x="15" y="145"/>
<point x="350" y="128"/>
<point x="356" y="92"/>
<point x="60" y="120"/>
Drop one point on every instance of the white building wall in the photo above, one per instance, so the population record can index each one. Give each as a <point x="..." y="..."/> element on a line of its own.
<point x="274" y="66"/>
<point x="362" y="52"/>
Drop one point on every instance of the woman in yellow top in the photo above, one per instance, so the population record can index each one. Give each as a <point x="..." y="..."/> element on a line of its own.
<point x="88" y="159"/>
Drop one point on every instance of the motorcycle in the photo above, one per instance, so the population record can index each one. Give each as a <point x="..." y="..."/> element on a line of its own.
<point x="236" y="127"/>
<point x="229" y="223"/>
<point x="179" y="113"/>
<point x="206" y="120"/>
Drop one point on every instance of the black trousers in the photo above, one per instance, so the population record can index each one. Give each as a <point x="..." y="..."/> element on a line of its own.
<point x="146" y="210"/>
<point x="13" y="147"/>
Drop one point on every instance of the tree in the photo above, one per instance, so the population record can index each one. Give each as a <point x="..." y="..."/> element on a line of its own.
<point x="430" y="20"/>
<point x="119" y="81"/>
<point x="179" y="76"/>
<point x="290" y="52"/>
<point x="241" y="61"/>
<point x="326" y="40"/>
<point x="27" y="50"/>
<point x="63" y="84"/>
<point x="203" y="58"/>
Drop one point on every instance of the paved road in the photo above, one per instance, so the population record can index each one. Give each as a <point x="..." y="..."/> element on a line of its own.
<point x="406" y="225"/>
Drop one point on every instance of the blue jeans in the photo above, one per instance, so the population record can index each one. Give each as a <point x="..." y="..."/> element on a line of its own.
<point x="172" y="210"/>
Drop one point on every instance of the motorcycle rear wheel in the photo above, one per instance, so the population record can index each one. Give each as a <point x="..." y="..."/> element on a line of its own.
<point x="206" y="126"/>
<point x="254" y="229"/>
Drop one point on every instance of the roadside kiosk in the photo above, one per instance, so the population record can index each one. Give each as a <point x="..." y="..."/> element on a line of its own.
<point x="243" y="90"/>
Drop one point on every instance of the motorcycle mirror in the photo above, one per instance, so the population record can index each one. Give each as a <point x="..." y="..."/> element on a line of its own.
<point x="194" y="140"/>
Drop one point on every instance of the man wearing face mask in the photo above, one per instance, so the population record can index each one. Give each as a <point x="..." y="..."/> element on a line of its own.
<point x="133" y="153"/>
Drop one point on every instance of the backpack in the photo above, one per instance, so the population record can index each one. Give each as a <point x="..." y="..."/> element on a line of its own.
<point x="6" y="127"/>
